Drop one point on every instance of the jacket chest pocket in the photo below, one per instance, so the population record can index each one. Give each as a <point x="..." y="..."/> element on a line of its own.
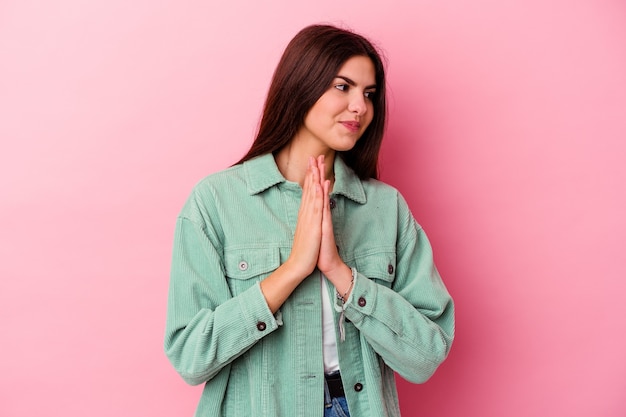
<point x="246" y="266"/>
<point x="380" y="266"/>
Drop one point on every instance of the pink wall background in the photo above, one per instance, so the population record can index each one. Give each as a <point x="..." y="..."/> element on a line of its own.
<point x="507" y="137"/>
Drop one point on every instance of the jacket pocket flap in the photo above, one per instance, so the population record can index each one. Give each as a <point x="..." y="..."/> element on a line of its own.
<point x="381" y="265"/>
<point x="245" y="263"/>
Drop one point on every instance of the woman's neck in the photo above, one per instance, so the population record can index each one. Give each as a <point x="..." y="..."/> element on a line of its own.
<point x="293" y="160"/>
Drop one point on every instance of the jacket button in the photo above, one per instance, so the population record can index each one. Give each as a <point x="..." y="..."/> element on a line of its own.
<point x="362" y="302"/>
<point x="390" y="268"/>
<point x="332" y="203"/>
<point x="243" y="265"/>
<point x="261" y="326"/>
<point x="358" y="387"/>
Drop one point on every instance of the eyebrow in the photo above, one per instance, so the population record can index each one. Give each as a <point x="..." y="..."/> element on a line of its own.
<point x="352" y="83"/>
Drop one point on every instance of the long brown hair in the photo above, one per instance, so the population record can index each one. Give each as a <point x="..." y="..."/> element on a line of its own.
<point x="305" y="71"/>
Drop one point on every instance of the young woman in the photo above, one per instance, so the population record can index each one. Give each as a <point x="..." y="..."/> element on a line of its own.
<point x="299" y="282"/>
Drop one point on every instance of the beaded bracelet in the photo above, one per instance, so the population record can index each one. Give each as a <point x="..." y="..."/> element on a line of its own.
<point x="343" y="297"/>
<point x="342" y="330"/>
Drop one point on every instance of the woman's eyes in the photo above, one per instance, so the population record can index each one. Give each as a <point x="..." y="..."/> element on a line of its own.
<point x="346" y="87"/>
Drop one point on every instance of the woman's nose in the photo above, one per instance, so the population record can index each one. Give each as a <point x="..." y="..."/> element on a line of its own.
<point x="357" y="104"/>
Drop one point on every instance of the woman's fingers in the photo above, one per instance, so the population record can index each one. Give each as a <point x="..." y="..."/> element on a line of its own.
<point x="328" y="255"/>
<point x="310" y="190"/>
<point x="308" y="233"/>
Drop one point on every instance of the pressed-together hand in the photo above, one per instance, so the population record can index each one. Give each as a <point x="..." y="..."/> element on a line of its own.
<point x="308" y="235"/>
<point x="328" y="260"/>
<point x="313" y="243"/>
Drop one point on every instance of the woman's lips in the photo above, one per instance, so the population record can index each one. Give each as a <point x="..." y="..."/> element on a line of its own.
<point x="352" y="126"/>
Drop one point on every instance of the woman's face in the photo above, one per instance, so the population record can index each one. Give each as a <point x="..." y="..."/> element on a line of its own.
<point x="340" y="116"/>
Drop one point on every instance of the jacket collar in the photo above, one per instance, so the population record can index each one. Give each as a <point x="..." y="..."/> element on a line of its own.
<point x="262" y="173"/>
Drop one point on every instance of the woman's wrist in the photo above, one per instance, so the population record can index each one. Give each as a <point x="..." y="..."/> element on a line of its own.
<point x="279" y="285"/>
<point x="341" y="277"/>
<point x="295" y="270"/>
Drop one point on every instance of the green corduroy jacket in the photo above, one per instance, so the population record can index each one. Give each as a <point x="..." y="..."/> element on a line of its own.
<point x="234" y="230"/>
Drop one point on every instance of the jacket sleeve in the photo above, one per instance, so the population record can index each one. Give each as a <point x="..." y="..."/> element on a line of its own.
<point x="411" y="324"/>
<point x="207" y="328"/>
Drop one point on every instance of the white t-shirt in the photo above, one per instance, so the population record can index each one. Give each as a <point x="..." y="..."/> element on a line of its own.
<point x="329" y="337"/>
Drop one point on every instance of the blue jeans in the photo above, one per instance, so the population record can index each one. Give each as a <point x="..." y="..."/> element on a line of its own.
<point x="334" y="407"/>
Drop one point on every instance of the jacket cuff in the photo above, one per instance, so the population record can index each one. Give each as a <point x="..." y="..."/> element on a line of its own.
<point x="361" y="300"/>
<point x="257" y="314"/>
